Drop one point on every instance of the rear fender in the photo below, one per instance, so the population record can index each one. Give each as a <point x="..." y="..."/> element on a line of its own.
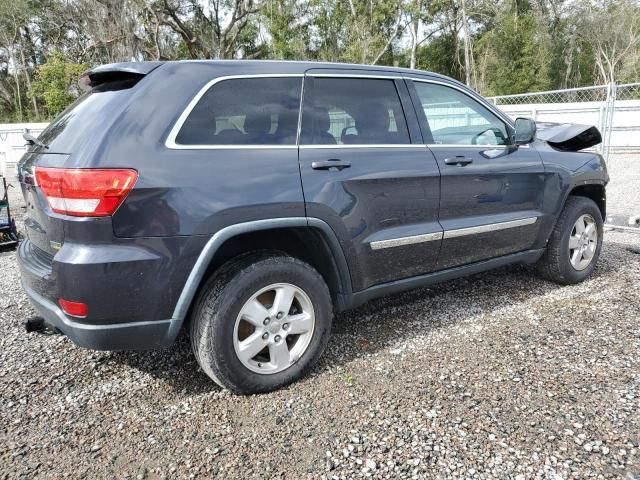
<point x="218" y="239"/>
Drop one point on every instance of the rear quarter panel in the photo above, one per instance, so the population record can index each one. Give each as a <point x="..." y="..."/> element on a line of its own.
<point x="192" y="192"/>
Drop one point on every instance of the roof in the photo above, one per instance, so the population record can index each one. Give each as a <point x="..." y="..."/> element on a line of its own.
<point x="275" y="66"/>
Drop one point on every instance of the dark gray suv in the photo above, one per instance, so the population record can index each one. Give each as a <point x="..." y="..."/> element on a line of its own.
<point x="248" y="201"/>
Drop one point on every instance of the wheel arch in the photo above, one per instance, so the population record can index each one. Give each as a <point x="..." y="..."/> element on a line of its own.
<point x="309" y="239"/>
<point x="594" y="191"/>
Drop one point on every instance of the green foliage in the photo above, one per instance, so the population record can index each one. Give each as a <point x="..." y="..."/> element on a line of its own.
<point x="55" y="83"/>
<point x="517" y="53"/>
<point x="348" y="378"/>
<point x="499" y="46"/>
<point x="289" y="34"/>
<point x="440" y="56"/>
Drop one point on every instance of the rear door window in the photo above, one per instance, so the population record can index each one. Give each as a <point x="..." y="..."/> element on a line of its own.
<point x="354" y="111"/>
<point x="245" y="111"/>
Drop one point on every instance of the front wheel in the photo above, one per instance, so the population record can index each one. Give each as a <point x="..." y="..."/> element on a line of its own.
<point x="261" y="322"/>
<point x="575" y="243"/>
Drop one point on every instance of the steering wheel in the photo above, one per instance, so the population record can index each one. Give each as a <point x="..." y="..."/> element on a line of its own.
<point x="496" y="131"/>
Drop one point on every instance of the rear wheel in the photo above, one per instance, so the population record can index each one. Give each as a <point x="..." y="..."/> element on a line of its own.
<point x="261" y="322"/>
<point x="575" y="243"/>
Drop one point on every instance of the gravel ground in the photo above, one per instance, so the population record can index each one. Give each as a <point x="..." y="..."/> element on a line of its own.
<point x="497" y="375"/>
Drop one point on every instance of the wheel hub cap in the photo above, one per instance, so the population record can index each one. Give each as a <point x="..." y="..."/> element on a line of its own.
<point x="274" y="327"/>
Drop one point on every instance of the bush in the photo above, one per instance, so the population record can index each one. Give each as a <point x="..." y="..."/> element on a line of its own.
<point x="55" y="83"/>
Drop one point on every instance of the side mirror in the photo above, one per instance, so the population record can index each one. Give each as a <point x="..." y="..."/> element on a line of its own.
<point x="525" y="131"/>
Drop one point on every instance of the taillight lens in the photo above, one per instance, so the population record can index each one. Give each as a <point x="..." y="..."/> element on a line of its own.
<point x="85" y="192"/>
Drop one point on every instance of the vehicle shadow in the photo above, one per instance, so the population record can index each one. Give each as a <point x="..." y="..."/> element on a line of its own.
<point x="386" y="322"/>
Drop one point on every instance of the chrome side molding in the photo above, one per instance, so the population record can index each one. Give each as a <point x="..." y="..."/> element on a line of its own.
<point x="397" y="242"/>
<point x="459" y="232"/>
<point x="492" y="227"/>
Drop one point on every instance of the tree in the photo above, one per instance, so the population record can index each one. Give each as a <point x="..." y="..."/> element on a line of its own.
<point x="288" y="27"/>
<point x="55" y="84"/>
<point x="208" y="29"/>
<point x="516" y="52"/>
<point x="496" y="46"/>
<point x="612" y="29"/>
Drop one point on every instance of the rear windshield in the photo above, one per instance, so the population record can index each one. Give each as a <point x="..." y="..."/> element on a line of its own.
<point x="86" y="116"/>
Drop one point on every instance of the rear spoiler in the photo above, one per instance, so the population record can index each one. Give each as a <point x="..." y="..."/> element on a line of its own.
<point x="115" y="72"/>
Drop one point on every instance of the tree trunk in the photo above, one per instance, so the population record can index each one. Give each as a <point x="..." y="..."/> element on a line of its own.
<point x="16" y="77"/>
<point x="415" y="27"/>
<point x="28" y="79"/>
<point x="467" y="44"/>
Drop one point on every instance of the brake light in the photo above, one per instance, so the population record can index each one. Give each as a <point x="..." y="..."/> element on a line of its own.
<point x="85" y="192"/>
<point x="75" y="309"/>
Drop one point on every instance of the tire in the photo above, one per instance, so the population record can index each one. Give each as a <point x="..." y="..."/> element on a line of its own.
<point x="219" y="326"/>
<point x="556" y="263"/>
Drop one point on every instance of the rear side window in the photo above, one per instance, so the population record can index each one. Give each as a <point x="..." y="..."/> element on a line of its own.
<point x="354" y="111"/>
<point x="245" y="111"/>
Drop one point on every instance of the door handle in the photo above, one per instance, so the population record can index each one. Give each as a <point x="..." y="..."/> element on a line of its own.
<point x="459" y="160"/>
<point x="331" y="163"/>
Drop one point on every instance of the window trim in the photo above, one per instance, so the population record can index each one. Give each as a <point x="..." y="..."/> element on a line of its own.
<point x="392" y="78"/>
<point x="170" y="142"/>
<point x="308" y="146"/>
<point x="500" y="115"/>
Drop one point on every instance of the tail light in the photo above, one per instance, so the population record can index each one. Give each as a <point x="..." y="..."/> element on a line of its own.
<point x="85" y="192"/>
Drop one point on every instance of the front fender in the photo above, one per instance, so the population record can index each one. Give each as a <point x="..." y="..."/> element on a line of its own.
<point x="566" y="172"/>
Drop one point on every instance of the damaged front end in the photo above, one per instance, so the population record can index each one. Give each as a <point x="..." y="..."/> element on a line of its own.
<point x="568" y="137"/>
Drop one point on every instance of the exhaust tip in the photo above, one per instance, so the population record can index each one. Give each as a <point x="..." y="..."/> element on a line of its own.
<point x="34" y="324"/>
<point x="38" y="325"/>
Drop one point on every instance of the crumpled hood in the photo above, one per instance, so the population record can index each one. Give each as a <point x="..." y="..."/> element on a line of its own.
<point x="569" y="137"/>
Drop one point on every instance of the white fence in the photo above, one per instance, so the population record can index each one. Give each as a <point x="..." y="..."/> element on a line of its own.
<point x="614" y="109"/>
<point x="12" y="145"/>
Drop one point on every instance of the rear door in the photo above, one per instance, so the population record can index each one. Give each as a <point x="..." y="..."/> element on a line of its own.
<point x="366" y="172"/>
<point x="492" y="191"/>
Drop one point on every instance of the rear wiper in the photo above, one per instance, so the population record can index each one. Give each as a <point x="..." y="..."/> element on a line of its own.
<point x="31" y="140"/>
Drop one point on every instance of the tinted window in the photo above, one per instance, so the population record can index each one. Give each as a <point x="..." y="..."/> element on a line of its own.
<point x="456" y="118"/>
<point x="246" y="111"/>
<point x="71" y="131"/>
<point x="356" y="111"/>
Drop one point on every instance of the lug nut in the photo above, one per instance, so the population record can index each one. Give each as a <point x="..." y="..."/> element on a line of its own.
<point x="277" y="339"/>
<point x="265" y="335"/>
<point x="280" y="315"/>
<point x="266" y="321"/>
<point x="285" y="326"/>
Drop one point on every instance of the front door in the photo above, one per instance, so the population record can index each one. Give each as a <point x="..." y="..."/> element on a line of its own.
<point x="491" y="190"/>
<point x="366" y="172"/>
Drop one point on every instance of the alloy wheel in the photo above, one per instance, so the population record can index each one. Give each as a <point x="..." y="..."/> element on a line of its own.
<point x="274" y="328"/>
<point x="583" y="242"/>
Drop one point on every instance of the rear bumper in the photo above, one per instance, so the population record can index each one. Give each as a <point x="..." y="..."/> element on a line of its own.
<point x="115" y="282"/>
<point x="120" y="336"/>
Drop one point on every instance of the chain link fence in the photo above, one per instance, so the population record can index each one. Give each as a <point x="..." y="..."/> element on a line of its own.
<point x="571" y="95"/>
<point x="613" y="108"/>
<point x="628" y="91"/>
